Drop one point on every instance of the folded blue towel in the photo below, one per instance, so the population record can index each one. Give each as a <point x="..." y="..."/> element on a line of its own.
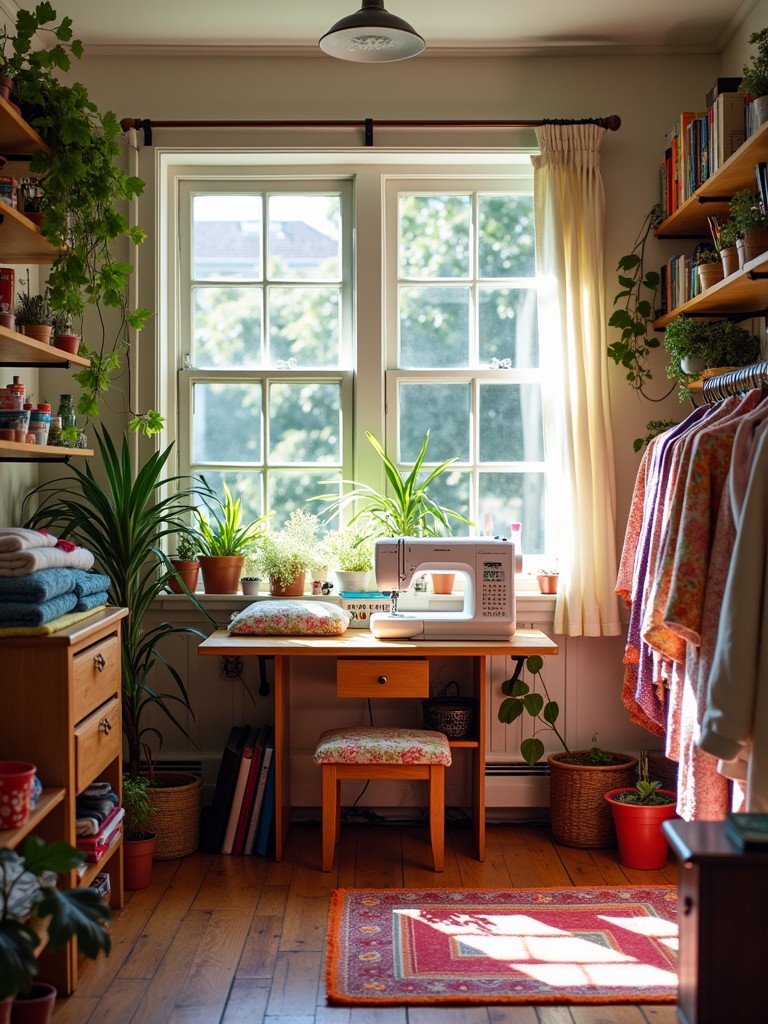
<point x="41" y="585"/>
<point x="27" y="613"/>
<point x="89" y="582"/>
<point x="89" y="601"/>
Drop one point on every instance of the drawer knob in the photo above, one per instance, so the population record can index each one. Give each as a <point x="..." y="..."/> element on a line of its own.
<point x="100" y="662"/>
<point x="105" y="725"/>
<point x="382" y="680"/>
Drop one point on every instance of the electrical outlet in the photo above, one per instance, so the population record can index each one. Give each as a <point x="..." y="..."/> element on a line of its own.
<point x="231" y="666"/>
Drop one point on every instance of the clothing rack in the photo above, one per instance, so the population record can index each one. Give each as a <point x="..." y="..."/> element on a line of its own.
<point x="612" y="123"/>
<point x="734" y="382"/>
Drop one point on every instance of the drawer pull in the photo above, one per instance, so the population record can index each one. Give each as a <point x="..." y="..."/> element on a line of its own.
<point x="105" y="725"/>
<point x="100" y="662"/>
<point x="382" y="680"/>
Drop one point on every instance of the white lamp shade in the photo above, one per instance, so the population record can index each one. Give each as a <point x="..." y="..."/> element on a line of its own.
<point x="372" y="35"/>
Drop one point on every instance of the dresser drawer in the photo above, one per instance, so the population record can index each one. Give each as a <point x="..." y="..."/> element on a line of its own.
<point x="95" y="676"/>
<point x="372" y="677"/>
<point x="97" y="742"/>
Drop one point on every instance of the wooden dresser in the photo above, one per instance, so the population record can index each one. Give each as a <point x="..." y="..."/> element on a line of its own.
<point x="60" y="699"/>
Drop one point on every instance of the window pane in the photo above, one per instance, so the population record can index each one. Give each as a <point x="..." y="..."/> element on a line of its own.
<point x="293" y="489"/>
<point x="226" y="413"/>
<point x="507" y="498"/>
<point x="506" y="238"/>
<point x="304" y="237"/>
<point x="443" y="409"/>
<point x="247" y="486"/>
<point x="510" y="423"/>
<point x="227" y="236"/>
<point x="452" y="490"/>
<point x="434" y="327"/>
<point x="227" y="328"/>
<point x="305" y="423"/>
<point x="304" y="326"/>
<point x="434" y="236"/>
<point x="509" y="326"/>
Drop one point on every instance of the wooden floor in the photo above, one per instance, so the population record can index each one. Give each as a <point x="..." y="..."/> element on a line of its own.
<point x="239" y="940"/>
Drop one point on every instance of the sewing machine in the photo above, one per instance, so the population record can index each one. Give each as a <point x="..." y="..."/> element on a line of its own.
<point x="488" y="568"/>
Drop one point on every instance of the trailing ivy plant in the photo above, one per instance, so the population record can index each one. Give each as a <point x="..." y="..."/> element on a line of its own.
<point x="84" y="192"/>
<point x="636" y="311"/>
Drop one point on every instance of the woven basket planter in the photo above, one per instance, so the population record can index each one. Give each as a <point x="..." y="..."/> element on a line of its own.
<point x="176" y="818"/>
<point x="580" y="815"/>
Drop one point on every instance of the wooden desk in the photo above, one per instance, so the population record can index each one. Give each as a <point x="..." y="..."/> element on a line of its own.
<point x="360" y="644"/>
<point x="722" y="900"/>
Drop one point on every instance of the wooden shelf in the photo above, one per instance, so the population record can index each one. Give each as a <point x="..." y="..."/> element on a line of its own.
<point x="49" y="798"/>
<point x="738" y="172"/>
<point x="21" y="240"/>
<point x="22" y="452"/>
<point x="17" y="349"/>
<point x="19" y="139"/>
<point x="745" y="293"/>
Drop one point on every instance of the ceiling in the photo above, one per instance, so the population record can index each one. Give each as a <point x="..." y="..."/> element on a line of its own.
<point x="659" y="26"/>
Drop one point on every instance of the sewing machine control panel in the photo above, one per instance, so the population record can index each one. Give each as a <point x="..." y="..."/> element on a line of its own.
<point x="494" y="594"/>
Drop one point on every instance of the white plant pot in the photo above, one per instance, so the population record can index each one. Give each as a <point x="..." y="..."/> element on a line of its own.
<point x="250" y="587"/>
<point x="352" y="581"/>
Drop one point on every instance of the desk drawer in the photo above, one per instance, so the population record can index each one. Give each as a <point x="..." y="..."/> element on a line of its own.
<point x="97" y="743"/>
<point x="95" y="675"/>
<point x="369" y="677"/>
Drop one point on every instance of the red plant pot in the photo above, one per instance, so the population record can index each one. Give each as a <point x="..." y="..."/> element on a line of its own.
<point x="67" y="343"/>
<point x="642" y="843"/>
<point x="17" y="781"/>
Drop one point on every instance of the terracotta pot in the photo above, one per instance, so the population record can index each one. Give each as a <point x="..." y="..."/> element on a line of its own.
<point x="221" y="573"/>
<point x="547" y="582"/>
<point x="709" y="274"/>
<point x="40" y="332"/>
<point x="67" y="343"/>
<point x="753" y="244"/>
<point x="137" y="862"/>
<point x="295" y="589"/>
<point x="642" y="843"/>
<point x="36" y="1006"/>
<point x="8" y="320"/>
<point x="186" y="570"/>
<point x="442" y="582"/>
<point x="730" y="259"/>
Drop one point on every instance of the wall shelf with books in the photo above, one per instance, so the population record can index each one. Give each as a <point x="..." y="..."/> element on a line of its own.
<point x="744" y="293"/>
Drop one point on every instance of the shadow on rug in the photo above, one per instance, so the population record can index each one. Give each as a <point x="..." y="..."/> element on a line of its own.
<point x="575" y="945"/>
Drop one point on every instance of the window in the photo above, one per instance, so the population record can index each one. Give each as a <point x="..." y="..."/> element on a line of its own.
<point x="312" y="307"/>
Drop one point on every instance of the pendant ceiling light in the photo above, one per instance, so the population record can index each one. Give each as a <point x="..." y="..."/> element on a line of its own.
<point x="372" y="35"/>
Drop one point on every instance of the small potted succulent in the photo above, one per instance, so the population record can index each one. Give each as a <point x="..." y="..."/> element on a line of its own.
<point x="726" y="245"/>
<point x="638" y="813"/>
<point x="709" y="267"/>
<point x="63" y="336"/>
<point x="250" y="581"/>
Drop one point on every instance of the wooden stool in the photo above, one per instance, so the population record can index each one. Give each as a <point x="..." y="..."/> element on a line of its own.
<point x="367" y="753"/>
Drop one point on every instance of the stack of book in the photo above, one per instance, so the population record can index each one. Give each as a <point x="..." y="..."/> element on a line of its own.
<point x="242" y="815"/>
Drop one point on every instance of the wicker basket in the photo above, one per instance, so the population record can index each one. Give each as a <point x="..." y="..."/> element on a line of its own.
<point x="454" y="716"/>
<point x="176" y="818"/>
<point x="579" y="813"/>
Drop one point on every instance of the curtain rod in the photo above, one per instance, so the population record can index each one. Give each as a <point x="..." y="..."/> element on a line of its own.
<point x="611" y="124"/>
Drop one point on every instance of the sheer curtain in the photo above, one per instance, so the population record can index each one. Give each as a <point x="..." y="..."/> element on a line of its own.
<point x="569" y="206"/>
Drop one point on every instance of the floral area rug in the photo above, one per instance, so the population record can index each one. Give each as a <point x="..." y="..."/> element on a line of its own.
<point x="573" y="945"/>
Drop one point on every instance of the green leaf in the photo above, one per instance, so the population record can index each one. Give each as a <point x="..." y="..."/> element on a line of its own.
<point x="534" y="664"/>
<point x="509" y="710"/>
<point x="551" y="712"/>
<point x="533" y="703"/>
<point x="532" y="750"/>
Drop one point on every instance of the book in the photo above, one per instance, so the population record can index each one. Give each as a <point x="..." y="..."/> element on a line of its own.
<point x="749" y="831"/>
<point x="244" y="768"/>
<point x="729" y="127"/>
<point x="225" y="788"/>
<point x="267" y="816"/>
<point x="249" y="846"/>
<point x="251" y="784"/>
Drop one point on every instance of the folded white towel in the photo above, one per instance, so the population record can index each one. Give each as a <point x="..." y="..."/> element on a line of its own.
<point x="16" y="538"/>
<point x="19" y="563"/>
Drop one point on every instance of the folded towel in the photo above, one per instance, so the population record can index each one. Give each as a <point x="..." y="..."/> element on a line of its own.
<point x="84" y="604"/>
<point x="89" y="582"/>
<point x="63" y="622"/>
<point x="41" y="585"/>
<point x="21" y="563"/>
<point x="27" y="613"/>
<point x="97" y="790"/>
<point x="13" y="538"/>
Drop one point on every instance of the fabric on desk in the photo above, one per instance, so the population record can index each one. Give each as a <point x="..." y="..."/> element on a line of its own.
<point x="70" y="619"/>
<point x="29" y="613"/>
<point x="87" y="583"/>
<point x="16" y="538"/>
<point x="21" y="563"/>
<point x="37" y="586"/>
<point x="91" y="601"/>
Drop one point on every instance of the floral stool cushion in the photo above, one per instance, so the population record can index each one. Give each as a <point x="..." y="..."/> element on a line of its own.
<point x="361" y="745"/>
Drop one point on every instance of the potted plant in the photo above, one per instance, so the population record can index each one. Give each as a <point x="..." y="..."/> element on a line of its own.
<point x="7" y="319"/>
<point x="709" y="267"/>
<point x="285" y="555"/>
<point x="250" y="581"/>
<point x="125" y="521"/>
<point x="185" y="564"/>
<point x="547" y="580"/>
<point x="697" y="345"/>
<point x="727" y="237"/>
<point x="754" y="76"/>
<point x="63" y="336"/>
<point x="638" y="813"/>
<point x="751" y="225"/>
<point x="578" y="779"/>
<point x="139" y="841"/>
<point x="34" y="316"/>
<point x="349" y="553"/>
<point x="407" y="510"/>
<point x="223" y="540"/>
<point x="28" y="894"/>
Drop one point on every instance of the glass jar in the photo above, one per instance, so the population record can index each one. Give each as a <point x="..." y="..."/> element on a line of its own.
<point x="66" y="412"/>
<point x="54" y="432"/>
